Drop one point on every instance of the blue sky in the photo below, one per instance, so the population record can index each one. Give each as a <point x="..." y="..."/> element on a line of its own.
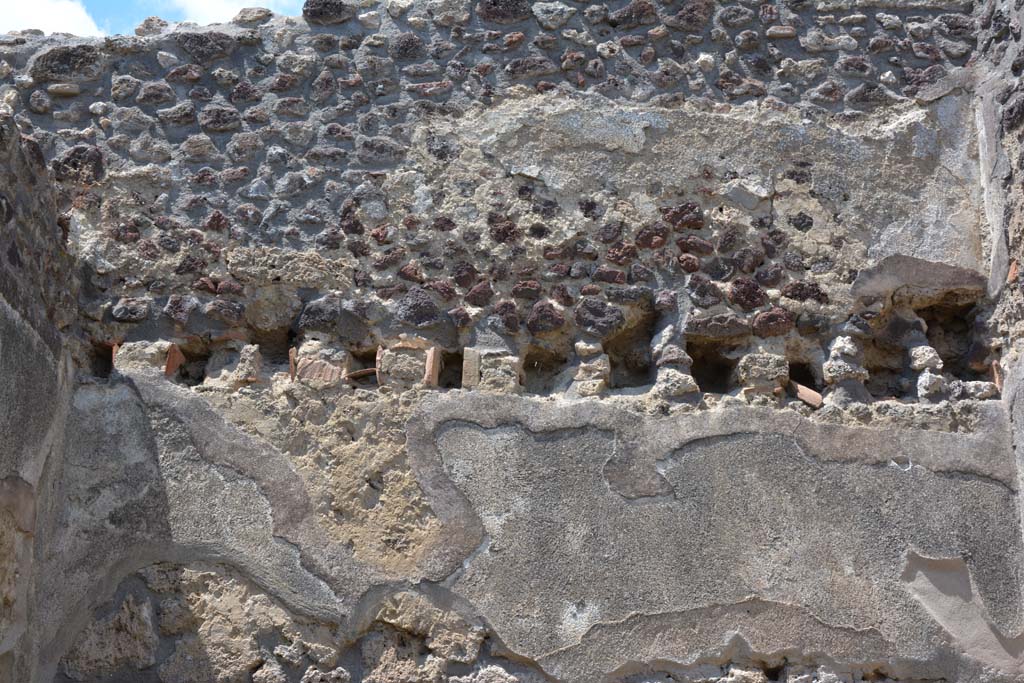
<point x="97" y="17"/>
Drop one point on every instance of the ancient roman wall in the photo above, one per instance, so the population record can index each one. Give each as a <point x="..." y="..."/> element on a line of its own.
<point x="497" y="341"/>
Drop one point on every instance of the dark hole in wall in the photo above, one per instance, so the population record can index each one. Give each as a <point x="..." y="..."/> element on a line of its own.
<point x="773" y="673"/>
<point x="193" y="371"/>
<point x="712" y="369"/>
<point x="629" y="354"/>
<point x="451" y="370"/>
<point x="274" y="344"/>
<point x="541" y="368"/>
<point x="364" y="359"/>
<point x="950" y="331"/>
<point x="101" y="359"/>
<point x="885" y="363"/>
<point x="803" y="373"/>
<point x="885" y="382"/>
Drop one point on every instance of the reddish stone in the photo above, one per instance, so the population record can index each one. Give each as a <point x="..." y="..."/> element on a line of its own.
<point x="544" y="317"/>
<point x="687" y="215"/>
<point x="217" y="221"/>
<point x="229" y="287"/>
<point x="694" y="245"/>
<point x="382" y="234"/>
<point x="410" y="272"/>
<point x="606" y="274"/>
<point x="774" y="322"/>
<point x="802" y="290"/>
<point x="652" y="236"/>
<point x="621" y="254"/>
<point x="527" y="289"/>
<point x="480" y="295"/>
<point x="503" y="229"/>
<point x="443" y="288"/>
<point x="464" y="274"/>
<point x="443" y="223"/>
<point x="747" y="294"/>
<point x="689" y="263"/>
<point x="562" y="295"/>
<point x="508" y="313"/>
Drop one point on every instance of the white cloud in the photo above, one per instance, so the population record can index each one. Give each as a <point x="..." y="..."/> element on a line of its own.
<point x="219" y="11"/>
<point x="65" y="16"/>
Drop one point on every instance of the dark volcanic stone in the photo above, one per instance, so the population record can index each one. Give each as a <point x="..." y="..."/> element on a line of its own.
<point x="227" y="312"/>
<point x="598" y="317"/>
<point x="379" y="150"/>
<point x="687" y="215"/>
<point x="6" y="210"/>
<point x="80" y="164"/>
<point x="130" y="310"/>
<point x="503" y="229"/>
<point x="326" y="12"/>
<point x="801" y="222"/>
<point x="1013" y="114"/>
<point x="530" y="66"/>
<point x="719" y="268"/>
<point x="220" y="119"/>
<point x="508" y="315"/>
<point x="610" y="232"/>
<point x="694" y="245"/>
<point x="747" y="260"/>
<point x="652" y="236"/>
<point x="606" y="274"/>
<point x="417" y="308"/>
<point x="406" y="46"/>
<point x="179" y="308"/>
<point x="544" y="317"/>
<point x="770" y="275"/>
<point x="703" y="291"/>
<point x="747" y="294"/>
<point x="68" y="63"/>
<point x="636" y="13"/>
<point x="480" y="295"/>
<point x="206" y="46"/>
<point x="693" y="17"/>
<point x="689" y="263"/>
<point x="321" y="315"/>
<point x="464" y="274"/>
<point x="735" y="16"/>
<point x="527" y="289"/>
<point x="721" y="326"/>
<point x="503" y="11"/>
<point x="802" y="290"/>
<point x="666" y="301"/>
<point x="774" y="322"/>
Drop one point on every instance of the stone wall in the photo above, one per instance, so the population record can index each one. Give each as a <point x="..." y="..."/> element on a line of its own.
<point x="37" y="305"/>
<point x="436" y="340"/>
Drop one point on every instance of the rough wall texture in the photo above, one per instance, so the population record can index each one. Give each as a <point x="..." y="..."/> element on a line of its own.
<point x="498" y="342"/>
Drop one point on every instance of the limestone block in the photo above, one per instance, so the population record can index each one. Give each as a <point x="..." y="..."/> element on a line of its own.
<point x="321" y="365"/>
<point x="922" y="357"/>
<point x="408" y="362"/>
<point x="142" y="354"/>
<point x="125" y="638"/>
<point x="233" y="368"/>
<point x="673" y="383"/>
<point x="491" y="370"/>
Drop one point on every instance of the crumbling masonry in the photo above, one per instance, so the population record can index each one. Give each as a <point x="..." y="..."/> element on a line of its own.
<point x="489" y="341"/>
